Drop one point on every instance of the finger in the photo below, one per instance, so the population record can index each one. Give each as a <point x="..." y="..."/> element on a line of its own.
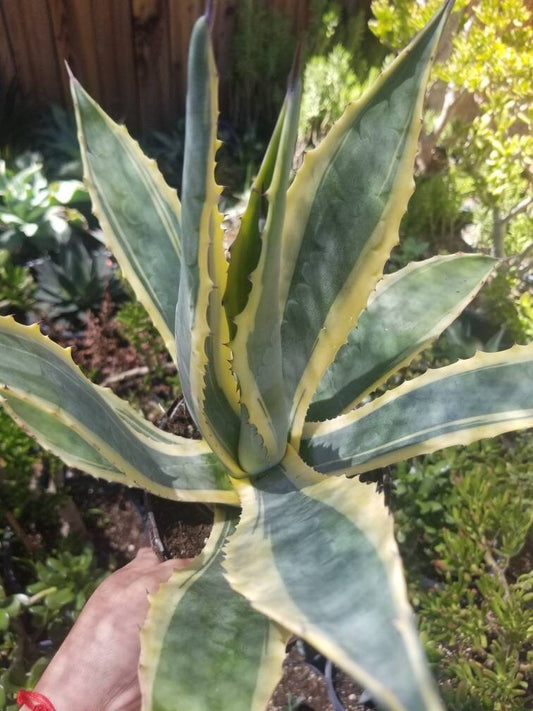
<point x="145" y="560"/>
<point x="153" y="578"/>
<point x="163" y="571"/>
<point x="146" y="553"/>
<point x="175" y="564"/>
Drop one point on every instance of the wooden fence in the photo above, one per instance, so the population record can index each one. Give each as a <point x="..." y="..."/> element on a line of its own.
<point x="129" y="54"/>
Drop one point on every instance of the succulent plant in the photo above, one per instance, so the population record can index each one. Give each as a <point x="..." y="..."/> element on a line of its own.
<point x="297" y="328"/>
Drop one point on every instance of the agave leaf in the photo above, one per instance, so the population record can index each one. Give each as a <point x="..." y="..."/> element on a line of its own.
<point x="246" y="248"/>
<point x="48" y="392"/>
<point x="256" y="346"/>
<point x="343" y="213"/>
<point x="59" y="438"/>
<point x="318" y="556"/>
<point x="201" y="326"/>
<point x="203" y="647"/>
<point x="483" y="396"/>
<point x="408" y="310"/>
<point x="139" y="213"/>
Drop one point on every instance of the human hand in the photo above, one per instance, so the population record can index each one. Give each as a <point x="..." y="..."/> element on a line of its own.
<point x="95" y="669"/>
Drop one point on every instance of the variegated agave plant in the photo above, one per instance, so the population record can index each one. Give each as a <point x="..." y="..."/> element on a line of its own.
<point x="297" y="329"/>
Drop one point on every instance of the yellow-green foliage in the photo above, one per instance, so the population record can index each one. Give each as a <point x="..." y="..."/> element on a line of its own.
<point x="329" y="85"/>
<point x="507" y="300"/>
<point x="488" y="56"/>
<point x="16" y="285"/>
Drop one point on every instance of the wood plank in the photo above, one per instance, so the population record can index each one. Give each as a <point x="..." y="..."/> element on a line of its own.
<point x="61" y="45"/>
<point x="102" y="17"/>
<point x="301" y="17"/>
<point x="80" y="44"/>
<point x="182" y="16"/>
<point x="40" y="39"/>
<point x="169" y="85"/>
<point x="114" y="57"/>
<point x="11" y="10"/>
<point x="125" y="62"/>
<point x="151" y="41"/>
<point x="178" y="11"/>
<point x="225" y="24"/>
<point x="131" y="55"/>
<point x="224" y="30"/>
<point x="7" y="64"/>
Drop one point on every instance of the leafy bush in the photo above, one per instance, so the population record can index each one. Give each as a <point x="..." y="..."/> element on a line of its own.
<point x="36" y="216"/>
<point x="57" y="141"/>
<point x="338" y="71"/>
<point x="464" y="521"/>
<point x="16" y="286"/>
<point x="167" y="150"/>
<point x="22" y="463"/>
<point x="33" y="623"/>
<point x="507" y="299"/>
<point x="262" y="50"/>
<point x="41" y="593"/>
<point x="410" y="249"/>
<point x="436" y="213"/>
<point x="329" y="85"/>
<point x="482" y="103"/>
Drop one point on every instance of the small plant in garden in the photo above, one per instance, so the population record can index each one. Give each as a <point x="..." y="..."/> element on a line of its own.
<point x="36" y="216"/>
<point x="16" y="286"/>
<point x="56" y="139"/>
<point x="74" y="281"/>
<point x="33" y="623"/>
<point x="21" y="501"/>
<point x="329" y="84"/>
<point x="267" y="349"/>
<point x="464" y="520"/>
<point x="40" y="594"/>
<point x="293" y="702"/>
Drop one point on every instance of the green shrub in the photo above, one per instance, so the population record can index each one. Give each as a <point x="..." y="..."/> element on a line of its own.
<point x="34" y="623"/>
<point x="262" y="53"/>
<point x="167" y="150"/>
<point x="16" y="286"/>
<point x="507" y="300"/>
<point x="22" y="463"/>
<point x="36" y="216"/>
<point x="330" y="84"/>
<point x="56" y="139"/>
<point x="45" y="580"/>
<point x="435" y="213"/>
<point x="464" y="522"/>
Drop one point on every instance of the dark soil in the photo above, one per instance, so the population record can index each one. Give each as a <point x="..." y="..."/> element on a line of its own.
<point x="304" y="682"/>
<point x="183" y="528"/>
<point x="99" y="349"/>
<point x="112" y="518"/>
<point x="522" y="563"/>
